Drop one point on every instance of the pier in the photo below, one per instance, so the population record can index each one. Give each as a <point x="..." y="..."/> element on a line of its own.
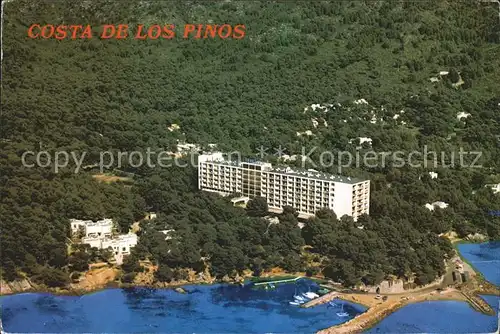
<point x="278" y="281"/>
<point x="473" y="290"/>
<point x="379" y="309"/>
<point x="478" y="303"/>
<point x="321" y="300"/>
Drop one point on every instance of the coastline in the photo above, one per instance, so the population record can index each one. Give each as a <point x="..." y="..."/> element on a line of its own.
<point x="469" y="293"/>
<point x="378" y="310"/>
<point x="75" y="290"/>
<point x="109" y="285"/>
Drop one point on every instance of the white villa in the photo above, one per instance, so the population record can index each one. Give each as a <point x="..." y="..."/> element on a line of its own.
<point x="120" y="245"/>
<point x="100" y="228"/>
<point x="438" y="204"/>
<point x="99" y="234"/>
<point x="494" y="187"/>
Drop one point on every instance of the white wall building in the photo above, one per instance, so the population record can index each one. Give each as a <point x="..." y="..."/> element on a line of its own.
<point x="306" y="191"/>
<point x="438" y="204"/>
<point x="494" y="187"/>
<point x="121" y="245"/>
<point x="76" y="224"/>
<point x="168" y="234"/>
<point x="100" y="235"/>
<point x="100" y="228"/>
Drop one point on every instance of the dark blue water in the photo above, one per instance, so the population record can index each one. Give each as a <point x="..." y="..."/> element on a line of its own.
<point x="439" y="317"/>
<point x="451" y="316"/>
<point x="233" y="309"/>
<point x="205" y="309"/>
<point x="485" y="258"/>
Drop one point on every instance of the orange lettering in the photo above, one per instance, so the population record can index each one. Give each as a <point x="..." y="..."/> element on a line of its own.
<point x="154" y="31"/>
<point x="212" y="30"/>
<point x="104" y="30"/>
<point x="30" y="31"/>
<point x="188" y="28"/>
<point x="221" y="29"/>
<point x="198" y="31"/>
<point x="139" y="30"/>
<point x="44" y="31"/>
<point x="60" y="32"/>
<point x="87" y="33"/>
<point x="74" y="30"/>
<point x="122" y="31"/>
<point x="239" y="31"/>
<point x="168" y="31"/>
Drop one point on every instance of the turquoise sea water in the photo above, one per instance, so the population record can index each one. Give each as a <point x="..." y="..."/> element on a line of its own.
<point x="205" y="309"/>
<point x="235" y="309"/>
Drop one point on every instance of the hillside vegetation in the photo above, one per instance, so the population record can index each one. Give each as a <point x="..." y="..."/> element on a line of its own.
<point x="122" y="95"/>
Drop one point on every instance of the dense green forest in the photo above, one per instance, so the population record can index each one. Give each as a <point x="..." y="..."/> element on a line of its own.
<point x="94" y="95"/>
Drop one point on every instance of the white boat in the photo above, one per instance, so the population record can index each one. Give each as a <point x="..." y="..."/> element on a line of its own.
<point x="297" y="297"/>
<point x="297" y="300"/>
<point x="304" y="296"/>
<point x="310" y="295"/>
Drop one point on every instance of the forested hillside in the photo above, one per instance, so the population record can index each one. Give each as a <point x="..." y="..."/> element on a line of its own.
<point x="93" y="95"/>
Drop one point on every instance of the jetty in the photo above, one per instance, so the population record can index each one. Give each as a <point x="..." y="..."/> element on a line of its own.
<point x="286" y="280"/>
<point x="321" y="300"/>
<point x="379" y="308"/>
<point x="478" y="303"/>
<point x="473" y="290"/>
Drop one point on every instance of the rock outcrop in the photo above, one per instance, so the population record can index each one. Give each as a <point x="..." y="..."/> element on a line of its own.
<point x="17" y="286"/>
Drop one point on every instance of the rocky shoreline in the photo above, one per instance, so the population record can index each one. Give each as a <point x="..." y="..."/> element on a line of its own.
<point x="26" y="286"/>
<point x="92" y="282"/>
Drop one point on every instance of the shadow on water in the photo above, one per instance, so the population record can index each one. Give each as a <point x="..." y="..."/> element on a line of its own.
<point x="146" y="300"/>
<point x="193" y="291"/>
<point x="488" y="252"/>
<point x="52" y="305"/>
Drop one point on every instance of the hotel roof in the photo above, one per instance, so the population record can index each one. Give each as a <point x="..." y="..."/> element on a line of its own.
<point x="316" y="175"/>
<point x="295" y="172"/>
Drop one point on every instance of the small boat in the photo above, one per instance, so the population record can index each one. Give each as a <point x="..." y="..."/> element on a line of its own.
<point x="299" y="298"/>
<point x="310" y="295"/>
<point x="294" y="303"/>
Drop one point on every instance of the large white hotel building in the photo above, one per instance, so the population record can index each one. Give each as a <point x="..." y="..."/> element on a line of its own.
<point x="306" y="191"/>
